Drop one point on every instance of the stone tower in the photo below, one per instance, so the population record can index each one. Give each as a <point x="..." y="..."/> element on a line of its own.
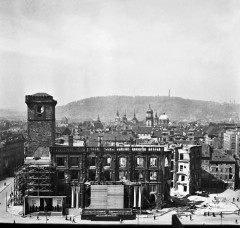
<point x="149" y="117"/>
<point x="41" y="124"/>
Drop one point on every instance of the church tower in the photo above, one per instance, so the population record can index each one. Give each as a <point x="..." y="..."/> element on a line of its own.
<point x="41" y="124"/>
<point x="117" y="118"/>
<point x="156" y="120"/>
<point x="149" y="117"/>
<point x="124" y="119"/>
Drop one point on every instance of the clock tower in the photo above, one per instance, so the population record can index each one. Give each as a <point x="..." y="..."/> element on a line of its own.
<point x="41" y="124"/>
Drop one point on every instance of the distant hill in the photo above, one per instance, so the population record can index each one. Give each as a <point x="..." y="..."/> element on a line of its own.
<point x="175" y="107"/>
<point x="11" y="114"/>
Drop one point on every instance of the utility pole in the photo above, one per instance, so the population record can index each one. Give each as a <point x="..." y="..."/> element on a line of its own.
<point x="6" y="201"/>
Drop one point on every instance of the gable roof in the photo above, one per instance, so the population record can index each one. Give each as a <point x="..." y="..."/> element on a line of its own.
<point x="144" y="130"/>
<point x="219" y="155"/>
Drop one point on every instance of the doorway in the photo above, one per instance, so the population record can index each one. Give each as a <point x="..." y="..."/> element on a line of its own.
<point x="46" y="204"/>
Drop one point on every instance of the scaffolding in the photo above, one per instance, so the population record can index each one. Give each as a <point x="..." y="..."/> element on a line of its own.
<point x="34" y="178"/>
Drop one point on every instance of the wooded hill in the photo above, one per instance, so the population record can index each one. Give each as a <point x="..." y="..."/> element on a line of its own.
<point x="176" y="108"/>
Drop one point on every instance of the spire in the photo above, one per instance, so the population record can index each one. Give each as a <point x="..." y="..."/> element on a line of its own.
<point x="98" y="118"/>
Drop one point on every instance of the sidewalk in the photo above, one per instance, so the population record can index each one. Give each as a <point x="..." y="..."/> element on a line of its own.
<point x="2" y="183"/>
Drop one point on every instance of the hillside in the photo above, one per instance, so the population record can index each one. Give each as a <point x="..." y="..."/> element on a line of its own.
<point x="10" y="114"/>
<point x="175" y="107"/>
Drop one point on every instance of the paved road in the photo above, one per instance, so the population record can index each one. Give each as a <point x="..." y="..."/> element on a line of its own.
<point x="5" y="191"/>
<point x="12" y="215"/>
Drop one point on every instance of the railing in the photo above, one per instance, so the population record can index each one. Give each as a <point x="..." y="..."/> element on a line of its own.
<point x="66" y="149"/>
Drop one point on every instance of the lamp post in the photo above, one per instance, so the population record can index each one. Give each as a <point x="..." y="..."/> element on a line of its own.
<point x="6" y="201"/>
<point x="141" y="198"/>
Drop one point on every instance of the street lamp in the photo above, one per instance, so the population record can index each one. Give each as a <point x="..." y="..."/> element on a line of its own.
<point x="6" y="201"/>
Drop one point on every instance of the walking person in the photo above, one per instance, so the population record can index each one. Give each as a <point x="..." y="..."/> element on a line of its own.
<point x="37" y="217"/>
<point x="190" y="217"/>
<point x="236" y="221"/>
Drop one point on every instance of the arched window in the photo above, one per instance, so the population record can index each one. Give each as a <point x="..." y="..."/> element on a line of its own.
<point x="122" y="162"/>
<point x="166" y="162"/>
<point x="140" y="162"/>
<point x="107" y="160"/>
<point x="153" y="162"/>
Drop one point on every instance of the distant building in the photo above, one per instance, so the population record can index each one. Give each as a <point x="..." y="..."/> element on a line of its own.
<point x="186" y="169"/>
<point x="219" y="169"/>
<point x="163" y="120"/>
<point x="124" y="119"/>
<point x="144" y="132"/>
<point x="224" y="169"/>
<point x="117" y="118"/>
<point x="156" y="120"/>
<point x="11" y="155"/>
<point x="134" y="119"/>
<point x="149" y="117"/>
<point x="231" y="141"/>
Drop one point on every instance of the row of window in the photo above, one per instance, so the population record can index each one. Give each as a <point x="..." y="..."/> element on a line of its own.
<point x="122" y="175"/>
<point x="221" y="170"/>
<point x="152" y="188"/>
<point x="74" y="161"/>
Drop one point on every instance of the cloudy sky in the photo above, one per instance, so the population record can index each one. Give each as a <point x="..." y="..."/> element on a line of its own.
<point x="74" y="49"/>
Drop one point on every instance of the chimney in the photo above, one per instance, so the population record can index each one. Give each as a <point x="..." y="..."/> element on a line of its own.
<point x="70" y="140"/>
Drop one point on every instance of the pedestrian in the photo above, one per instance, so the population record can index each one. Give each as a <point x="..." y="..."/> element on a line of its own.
<point x="70" y="218"/>
<point x="154" y="216"/>
<point x="66" y="218"/>
<point x="190" y="217"/>
<point x="236" y="221"/>
<point x="30" y="215"/>
<point x="120" y="220"/>
<point x="13" y="221"/>
<point x="238" y="199"/>
<point x="73" y="220"/>
<point x="233" y="199"/>
<point x="208" y="214"/>
<point x="37" y="218"/>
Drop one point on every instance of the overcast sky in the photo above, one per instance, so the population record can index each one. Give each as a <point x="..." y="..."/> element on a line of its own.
<point x="74" y="49"/>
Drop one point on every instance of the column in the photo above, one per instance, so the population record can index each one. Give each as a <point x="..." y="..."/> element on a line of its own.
<point x="129" y="196"/>
<point x="82" y="199"/>
<point x="135" y="197"/>
<point x="140" y="197"/>
<point x="77" y="196"/>
<point x="73" y="193"/>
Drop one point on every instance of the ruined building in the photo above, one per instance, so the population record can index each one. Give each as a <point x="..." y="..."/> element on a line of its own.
<point x="54" y="178"/>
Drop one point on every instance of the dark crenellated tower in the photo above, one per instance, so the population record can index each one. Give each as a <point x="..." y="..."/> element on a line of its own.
<point x="41" y="124"/>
